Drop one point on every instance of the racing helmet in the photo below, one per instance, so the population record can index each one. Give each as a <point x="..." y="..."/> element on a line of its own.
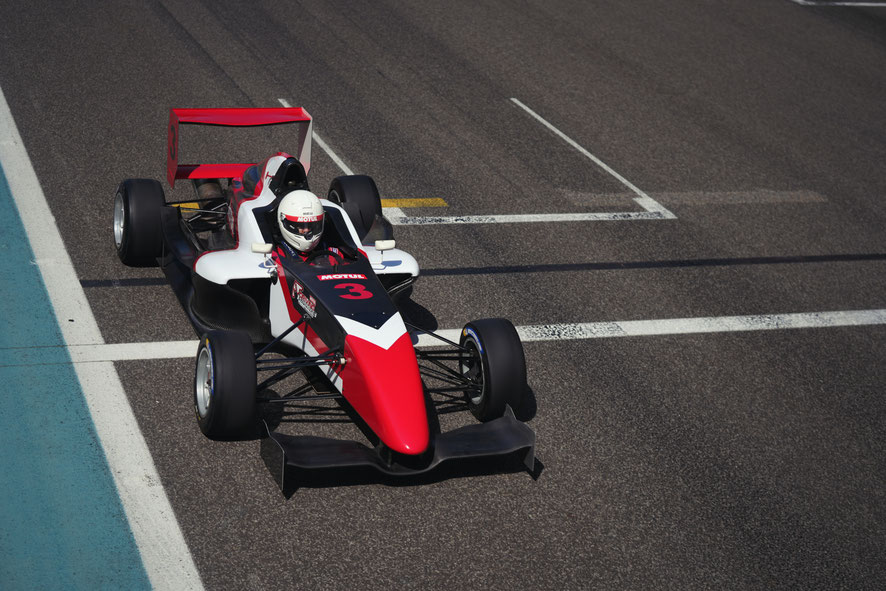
<point x="300" y="217"/>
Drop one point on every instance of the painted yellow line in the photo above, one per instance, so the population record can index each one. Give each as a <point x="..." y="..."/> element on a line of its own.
<point x="416" y="202"/>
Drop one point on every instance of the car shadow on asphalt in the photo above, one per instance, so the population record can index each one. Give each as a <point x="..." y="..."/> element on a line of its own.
<point x="360" y="476"/>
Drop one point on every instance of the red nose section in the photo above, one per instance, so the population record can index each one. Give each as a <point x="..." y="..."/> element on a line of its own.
<point x="384" y="387"/>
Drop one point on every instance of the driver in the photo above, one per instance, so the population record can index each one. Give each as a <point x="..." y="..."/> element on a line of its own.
<point x="300" y="217"/>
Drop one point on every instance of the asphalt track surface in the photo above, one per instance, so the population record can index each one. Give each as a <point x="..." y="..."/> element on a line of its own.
<point x="740" y="460"/>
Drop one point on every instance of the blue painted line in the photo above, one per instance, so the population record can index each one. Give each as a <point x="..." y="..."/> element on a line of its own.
<point x="62" y="525"/>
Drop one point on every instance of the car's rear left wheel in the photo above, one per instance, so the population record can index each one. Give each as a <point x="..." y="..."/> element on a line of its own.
<point x="358" y="196"/>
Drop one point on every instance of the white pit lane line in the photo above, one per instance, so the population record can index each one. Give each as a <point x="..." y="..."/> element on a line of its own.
<point x="101" y="354"/>
<point x="165" y="555"/>
<point x="818" y="3"/>
<point x="642" y="199"/>
<point x="652" y="210"/>
<point x="390" y="212"/>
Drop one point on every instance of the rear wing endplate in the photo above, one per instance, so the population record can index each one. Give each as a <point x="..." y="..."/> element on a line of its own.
<point x="232" y="118"/>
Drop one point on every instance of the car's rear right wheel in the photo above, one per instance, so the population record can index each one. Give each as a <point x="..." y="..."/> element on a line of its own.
<point x="137" y="229"/>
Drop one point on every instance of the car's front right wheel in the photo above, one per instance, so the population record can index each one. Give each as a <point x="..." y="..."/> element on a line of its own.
<point x="224" y="385"/>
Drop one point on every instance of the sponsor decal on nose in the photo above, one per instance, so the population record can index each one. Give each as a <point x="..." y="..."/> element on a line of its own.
<point x="306" y="302"/>
<point x="341" y="276"/>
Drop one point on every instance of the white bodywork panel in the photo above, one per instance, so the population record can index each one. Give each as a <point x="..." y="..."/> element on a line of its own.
<point x="391" y="261"/>
<point x="221" y="266"/>
<point x="383" y="337"/>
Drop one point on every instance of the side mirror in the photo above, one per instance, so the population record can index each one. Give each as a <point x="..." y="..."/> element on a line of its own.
<point x="383" y="245"/>
<point x="259" y="248"/>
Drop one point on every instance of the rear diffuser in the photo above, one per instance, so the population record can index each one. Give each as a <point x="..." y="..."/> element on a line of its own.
<point x="505" y="435"/>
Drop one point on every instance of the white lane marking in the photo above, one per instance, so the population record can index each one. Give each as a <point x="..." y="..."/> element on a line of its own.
<point x="816" y="3"/>
<point x="133" y="351"/>
<point x="389" y="211"/>
<point x="653" y="209"/>
<point x="332" y="154"/>
<point x="341" y="163"/>
<point x="403" y="220"/>
<point x="99" y="355"/>
<point x="679" y="326"/>
<point x="165" y="555"/>
<point x="644" y="200"/>
<point x="690" y="198"/>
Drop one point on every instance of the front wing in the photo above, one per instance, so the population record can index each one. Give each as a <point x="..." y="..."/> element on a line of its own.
<point x="284" y="454"/>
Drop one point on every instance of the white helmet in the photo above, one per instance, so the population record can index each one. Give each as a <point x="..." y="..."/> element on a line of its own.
<point x="300" y="217"/>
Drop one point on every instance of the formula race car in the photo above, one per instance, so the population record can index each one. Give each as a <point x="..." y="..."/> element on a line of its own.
<point x="331" y="314"/>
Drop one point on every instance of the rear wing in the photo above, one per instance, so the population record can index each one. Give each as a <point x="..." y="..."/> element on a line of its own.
<point x="232" y="118"/>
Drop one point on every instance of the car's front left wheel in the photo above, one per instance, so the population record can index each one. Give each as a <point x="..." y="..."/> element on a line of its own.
<point x="493" y="363"/>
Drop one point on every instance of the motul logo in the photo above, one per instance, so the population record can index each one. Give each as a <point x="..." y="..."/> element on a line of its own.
<point x="341" y="276"/>
<point x="302" y="218"/>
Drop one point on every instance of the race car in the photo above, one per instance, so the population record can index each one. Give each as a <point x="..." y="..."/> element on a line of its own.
<point x="333" y="315"/>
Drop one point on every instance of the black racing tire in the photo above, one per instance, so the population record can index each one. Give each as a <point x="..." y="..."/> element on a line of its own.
<point x="138" y="233"/>
<point x="493" y="359"/>
<point x="358" y="196"/>
<point x="224" y="385"/>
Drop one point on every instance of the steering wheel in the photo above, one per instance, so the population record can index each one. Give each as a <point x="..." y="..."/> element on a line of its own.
<point x="331" y="253"/>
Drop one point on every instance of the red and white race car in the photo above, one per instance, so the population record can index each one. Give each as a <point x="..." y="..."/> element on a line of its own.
<point x="333" y="316"/>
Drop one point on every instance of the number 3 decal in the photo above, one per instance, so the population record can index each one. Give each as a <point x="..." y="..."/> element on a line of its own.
<point x="355" y="291"/>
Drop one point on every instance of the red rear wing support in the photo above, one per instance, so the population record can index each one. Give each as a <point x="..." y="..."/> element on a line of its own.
<point x="232" y="118"/>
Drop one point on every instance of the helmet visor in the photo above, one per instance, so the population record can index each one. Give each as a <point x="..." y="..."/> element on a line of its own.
<point x="305" y="226"/>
